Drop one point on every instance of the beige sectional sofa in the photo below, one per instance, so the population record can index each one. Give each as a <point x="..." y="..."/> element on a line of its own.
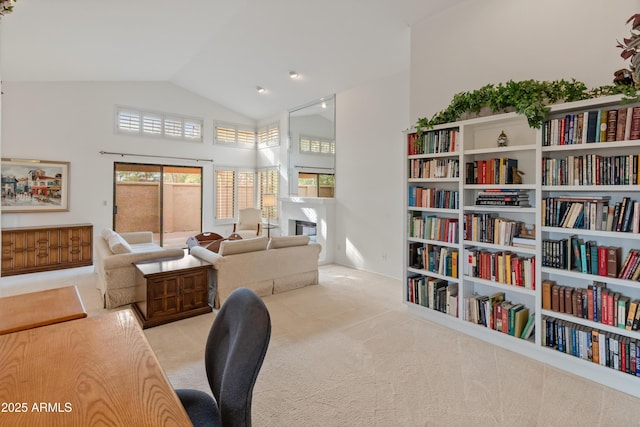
<point x="114" y="257"/>
<point x="266" y="266"/>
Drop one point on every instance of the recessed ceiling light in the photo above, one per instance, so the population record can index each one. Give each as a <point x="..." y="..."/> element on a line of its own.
<point x="294" y="74"/>
<point x="260" y="89"/>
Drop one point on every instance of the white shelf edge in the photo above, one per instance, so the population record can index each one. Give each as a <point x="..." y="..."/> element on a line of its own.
<point x="433" y="155"/>
<point x="432" y="274"/>
<point x="591" y="277"/>
<point x="490" y="208"/>
<point x="634" y="143"/>
<point x="503" y="286"/>
<point x="500" y="247"/>
<point x="433" y="242"/>
<point x="437" y="210"/>
<point x="591" y="188"/>
<point x="594" y="233"/>
<point x="419" y="180"/>
<point x="507" y="149"/>
<point x="499" y="186"/>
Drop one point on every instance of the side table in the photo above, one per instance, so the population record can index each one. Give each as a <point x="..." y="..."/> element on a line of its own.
<point x="171" y="289"/>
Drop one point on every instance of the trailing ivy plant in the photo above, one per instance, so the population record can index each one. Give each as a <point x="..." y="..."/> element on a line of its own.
<point x="529" y="98"/>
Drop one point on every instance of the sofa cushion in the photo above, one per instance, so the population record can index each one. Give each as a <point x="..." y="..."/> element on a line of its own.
<point x="287" y="241"/>
<point x="118" y="245"/>
<point x="106" y="233"/>
<point x="232" y="247"/>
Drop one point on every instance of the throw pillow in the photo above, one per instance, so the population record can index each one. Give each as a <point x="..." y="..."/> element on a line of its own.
<point x="118" y="245"/>
<point x="106" y="233"/>
<point x="287" y="241"/>
<point x="233" y="247"/>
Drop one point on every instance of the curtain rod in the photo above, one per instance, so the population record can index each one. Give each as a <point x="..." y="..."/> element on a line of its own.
<point x="312" y="167"/>
<point x="157" y="157"/>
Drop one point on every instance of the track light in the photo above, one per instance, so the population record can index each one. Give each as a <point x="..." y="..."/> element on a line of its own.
<point x="294" y="74"/>
<point x="260" y="89"/>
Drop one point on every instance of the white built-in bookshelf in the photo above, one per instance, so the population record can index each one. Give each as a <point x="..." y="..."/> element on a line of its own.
<point x="493" y="254"/>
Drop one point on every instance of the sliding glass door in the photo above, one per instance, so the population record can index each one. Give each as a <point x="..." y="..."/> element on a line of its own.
<point x="163" y="199"/>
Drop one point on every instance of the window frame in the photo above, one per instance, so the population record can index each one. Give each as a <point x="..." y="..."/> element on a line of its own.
<point x="262" y="190"/>
<point x="237" y="129"/>
<point x="268" y="129"/>
<point x="163" y="118"/>
<point x="235" y="202"/>
<point x="320" y="141"/>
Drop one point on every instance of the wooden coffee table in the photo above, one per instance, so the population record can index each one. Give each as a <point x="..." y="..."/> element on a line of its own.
<point x="27" y="311"/>
<point x="171" y="289"/>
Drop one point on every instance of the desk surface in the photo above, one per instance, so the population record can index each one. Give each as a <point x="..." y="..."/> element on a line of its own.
<point x="26" y="311"/>
<point x="93" y="371"/>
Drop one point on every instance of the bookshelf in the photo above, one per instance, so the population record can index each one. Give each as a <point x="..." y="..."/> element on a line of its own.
<point x="511" y="237"/>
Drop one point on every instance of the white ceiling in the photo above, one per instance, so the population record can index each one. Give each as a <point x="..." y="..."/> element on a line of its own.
<point x="219" y="49"/>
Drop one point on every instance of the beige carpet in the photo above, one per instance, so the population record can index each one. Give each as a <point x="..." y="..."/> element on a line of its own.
<point x="346" y="353"/>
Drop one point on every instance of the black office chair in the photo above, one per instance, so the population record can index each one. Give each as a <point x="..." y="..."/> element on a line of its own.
<point x="234" y="353"/>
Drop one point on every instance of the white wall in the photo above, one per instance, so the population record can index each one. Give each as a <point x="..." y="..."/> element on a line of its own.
<point x="492" y="41"/>
<point x="74" y="121"/>
<point x="369" y="155"/>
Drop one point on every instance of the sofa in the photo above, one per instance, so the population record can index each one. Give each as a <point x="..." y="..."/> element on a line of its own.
<point x="114" y="257"/>
<point x="266" y="266"/>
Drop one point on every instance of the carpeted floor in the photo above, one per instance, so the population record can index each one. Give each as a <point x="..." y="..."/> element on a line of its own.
<point x="347" y="353"/>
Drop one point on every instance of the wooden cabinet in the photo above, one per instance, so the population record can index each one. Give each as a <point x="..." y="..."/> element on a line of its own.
<point x="168" y="290"/>
<point x="35" y="249"/>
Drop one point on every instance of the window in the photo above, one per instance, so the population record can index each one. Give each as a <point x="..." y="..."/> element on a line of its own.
<point x="133" y="121"/>
<point x="313" y="145"/>
<point x="235" y="190"/>
<point x="269" y="136"/>
<point x="268" y="181"/>
<point x="234" y="134"/>
<point x="315" y="184"/>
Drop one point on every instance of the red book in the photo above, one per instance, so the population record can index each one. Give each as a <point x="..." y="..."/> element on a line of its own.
<point x="590" y="302"/>
<point x="604" y="312"/>
<point x="611" y="305"/>
<point x="602" y="260"/>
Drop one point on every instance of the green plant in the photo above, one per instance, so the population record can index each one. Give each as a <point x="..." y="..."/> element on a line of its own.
<point x="631" y="45"/>
<point x="529" y="98"/>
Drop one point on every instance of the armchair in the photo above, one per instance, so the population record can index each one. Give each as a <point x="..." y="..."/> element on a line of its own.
<point x="249" y="223"/>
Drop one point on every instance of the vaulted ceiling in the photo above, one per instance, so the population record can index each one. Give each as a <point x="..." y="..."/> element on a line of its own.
<point x="219" y="49"/>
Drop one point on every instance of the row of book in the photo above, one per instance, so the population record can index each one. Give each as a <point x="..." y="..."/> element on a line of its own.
<point x="490" y="228"/>
<point x="591" y="169"/>
<point x="503" y="197"/>
<point x="436" y="259"/>
<point x="493" y="171"/>
<point x="595" y="303"/>
<point x="605" y="125"/>
<point x="430" y="292"/>
<point x="433" y="198"/>
<point x="591" y="213"/>
<point x="431" y="227"/>
<point x="434" y="168"/>
<point x="600" y="347"/>
<point x="574" y="254"/>
<point x="503" y="267"/>
<point x="494" y="312"/>
<point x="432" y="142"/>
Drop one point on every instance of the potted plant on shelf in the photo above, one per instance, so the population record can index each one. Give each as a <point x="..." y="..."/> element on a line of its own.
<point x="631" y="46"/>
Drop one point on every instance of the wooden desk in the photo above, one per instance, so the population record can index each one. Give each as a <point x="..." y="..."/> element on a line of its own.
<point x="93" y="371"/>
<point x="26" y="311"/>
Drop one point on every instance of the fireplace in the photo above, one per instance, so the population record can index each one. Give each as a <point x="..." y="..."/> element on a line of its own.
<point x="306" y="228"/>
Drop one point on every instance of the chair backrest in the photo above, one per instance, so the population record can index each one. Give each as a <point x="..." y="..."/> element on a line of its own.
<point x="235" y="350"/>
<point x="249" y="219"/>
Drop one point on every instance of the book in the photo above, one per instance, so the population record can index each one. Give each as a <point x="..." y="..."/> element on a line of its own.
<point x="633" y="307"/>
<point x="613" y="260"/>
<point x="521" y="318"/>
<point x="547" y="286"/>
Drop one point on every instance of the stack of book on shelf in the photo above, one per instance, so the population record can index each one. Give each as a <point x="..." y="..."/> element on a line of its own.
<point x="573" y="253"/>
<point x="436" y="259"/>
<point x="595" y="303"/>
<point x="523" y="242"/>
<point x="606" y="125"/>
<point x="604" y="348"/>
<point x="492" y="171"/>
<point x="489" y="228"/>
<point x="503" y="197"/>
<point x="591" y="169"/>
<point x="587" y="213"/>
<point x="437" y="294"/>
<point x="431" y="227"/>
<point x="434" y="168"/>
<point x="440" y="141"/>
<point x="433" y="198"/>
<point x="494" y="312"/>
<point x="502" y="267"/>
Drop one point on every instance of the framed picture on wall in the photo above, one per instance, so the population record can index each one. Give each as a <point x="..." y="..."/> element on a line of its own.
<point x="34" y="185"/>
